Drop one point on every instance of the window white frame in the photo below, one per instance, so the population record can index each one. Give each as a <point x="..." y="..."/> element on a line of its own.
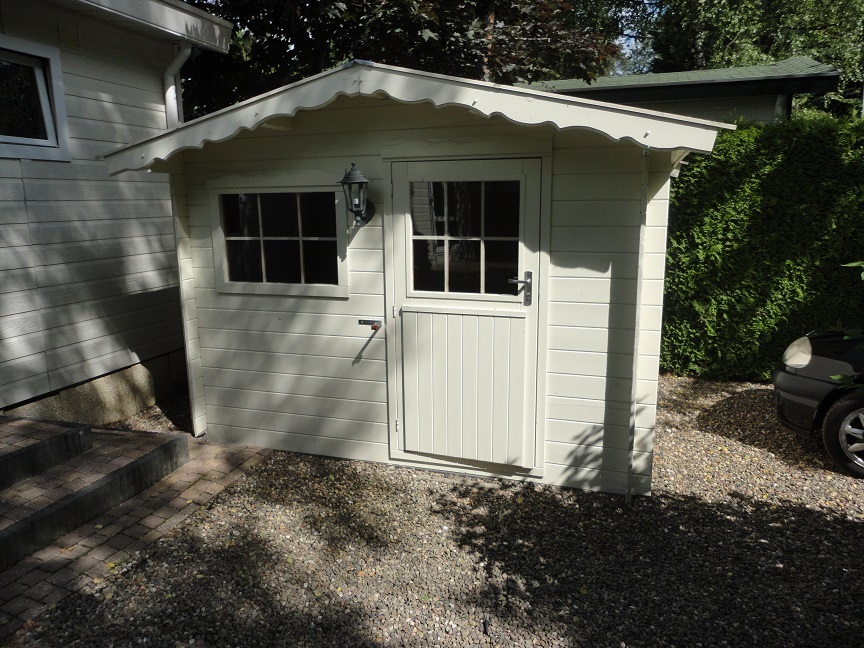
<point x="45" y="61"/>
<point x="220" y="260"/>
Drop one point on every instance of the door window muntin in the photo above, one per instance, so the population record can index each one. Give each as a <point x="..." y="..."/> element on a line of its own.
<point x="478" y="235"/>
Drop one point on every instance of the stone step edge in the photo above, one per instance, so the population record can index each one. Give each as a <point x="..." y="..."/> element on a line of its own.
<point x="38" y="530"/>
<point x="36" y="458"/>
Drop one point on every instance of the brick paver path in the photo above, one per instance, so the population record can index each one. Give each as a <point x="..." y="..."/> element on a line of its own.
<point x="73" y="561"/>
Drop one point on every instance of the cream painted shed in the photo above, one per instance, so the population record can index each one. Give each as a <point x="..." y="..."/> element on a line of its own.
<point x="515" y="262"/>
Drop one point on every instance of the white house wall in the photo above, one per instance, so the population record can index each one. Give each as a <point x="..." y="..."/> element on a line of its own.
<point x="285" y="371"/>
<point x="88" y="268"/>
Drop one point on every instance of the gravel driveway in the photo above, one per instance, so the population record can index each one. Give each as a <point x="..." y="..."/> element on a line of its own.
<point x="750" y="539"/>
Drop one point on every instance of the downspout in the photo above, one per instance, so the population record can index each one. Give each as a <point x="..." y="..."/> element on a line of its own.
<point x="171" y="84"/>
<point x="634" y="389"/>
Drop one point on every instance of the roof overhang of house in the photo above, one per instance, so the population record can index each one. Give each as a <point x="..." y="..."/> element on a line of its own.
<point x="169" y="19"/>
<point x="792" y="76"/>
<point x="646" y="128"/>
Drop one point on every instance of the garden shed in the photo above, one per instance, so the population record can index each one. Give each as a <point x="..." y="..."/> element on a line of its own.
<point x="500" y="312"/>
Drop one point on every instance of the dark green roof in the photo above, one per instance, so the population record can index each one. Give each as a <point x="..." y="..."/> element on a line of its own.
<point x="795" y="70"/>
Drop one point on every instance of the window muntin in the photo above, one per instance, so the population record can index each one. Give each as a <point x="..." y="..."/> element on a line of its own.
<point x="465" y="236"/>
<point x="25" y="107"/>
<point x="281" y="237"/>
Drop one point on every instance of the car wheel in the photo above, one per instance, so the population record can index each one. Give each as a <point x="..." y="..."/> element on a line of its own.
<point x="843" y="433"/>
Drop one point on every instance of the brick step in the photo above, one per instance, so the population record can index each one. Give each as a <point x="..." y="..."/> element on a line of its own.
<point x="28" y="448"/>
<point x="119" y="465"/>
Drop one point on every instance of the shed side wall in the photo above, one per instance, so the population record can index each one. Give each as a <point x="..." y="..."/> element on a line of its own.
<point x="599" y="212"/>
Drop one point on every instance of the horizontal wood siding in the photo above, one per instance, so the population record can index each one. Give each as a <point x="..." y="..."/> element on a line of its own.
<point x="88" y="273"/>
<point x="300" y="373"/>
<point x="597" y="210"/>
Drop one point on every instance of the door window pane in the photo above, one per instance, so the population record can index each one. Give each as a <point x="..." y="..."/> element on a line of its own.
<point x="429" y="265"/>
<point x="477" y="248"/>
<point x="502" y="208"/>
<point x="502" y="264"/>
<point x="463" y="208"/>
<point x="465" y="266"/>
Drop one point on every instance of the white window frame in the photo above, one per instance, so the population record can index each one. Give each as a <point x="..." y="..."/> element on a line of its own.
<point x="45" y="61"/>
<point x="224" y="285"/>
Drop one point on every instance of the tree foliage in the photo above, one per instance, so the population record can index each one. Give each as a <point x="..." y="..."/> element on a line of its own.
<point x="758" y="235"/>
<point x="698" y="34"/>
<point x="276" y="42"/>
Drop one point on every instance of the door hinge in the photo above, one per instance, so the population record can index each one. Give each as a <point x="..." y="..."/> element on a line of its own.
<point x="395" y="312"/>
<point x="397" y="425"/>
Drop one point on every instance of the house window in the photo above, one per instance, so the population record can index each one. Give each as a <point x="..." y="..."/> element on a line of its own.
<point x="282" y="242"/>
<point x="32" y="113"/>
<point x="465" y="236"/>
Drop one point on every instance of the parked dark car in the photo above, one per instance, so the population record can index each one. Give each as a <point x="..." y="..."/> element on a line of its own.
<point x="820" y="390"/>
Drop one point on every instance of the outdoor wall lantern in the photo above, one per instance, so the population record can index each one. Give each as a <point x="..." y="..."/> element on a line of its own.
<point x="354" y="183"/>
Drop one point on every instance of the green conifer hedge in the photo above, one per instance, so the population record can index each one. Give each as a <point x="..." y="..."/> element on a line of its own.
<point x="758" y="234"/>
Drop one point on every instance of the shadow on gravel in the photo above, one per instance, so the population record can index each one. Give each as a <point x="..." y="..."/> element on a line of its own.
<point x="749" y="417"/>
<point x="515" y="565"/>
<point x="670" y="571"/>
<point x="216" y="596"/>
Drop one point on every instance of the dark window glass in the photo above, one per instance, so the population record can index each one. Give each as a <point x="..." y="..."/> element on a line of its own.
<point x="502" y="208"/>
<point x="319" y="262"/>
<point x="244" y="260"/>
<point x="318" y="211"/>
<point x="465" y="266"/>
<point x="476" y="212"/>
<point x="240" y="214"/>
<point x="427" y="208"/>
<point x="502" y="263"/>
<point x="282" y="238"/>
<point x="463" y="208"/>
<point x="429" y="265"/>
<point x="20" y="105"/>
<point x="282" y="260"/>
<point x="438" y="206"/>
<point x="279" y="214"/>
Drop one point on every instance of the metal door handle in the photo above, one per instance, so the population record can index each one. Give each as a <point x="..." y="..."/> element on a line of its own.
<point x="526" y="284"/>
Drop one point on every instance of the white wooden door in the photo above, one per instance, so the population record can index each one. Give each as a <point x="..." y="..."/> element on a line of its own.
<point x="466" y="239"/>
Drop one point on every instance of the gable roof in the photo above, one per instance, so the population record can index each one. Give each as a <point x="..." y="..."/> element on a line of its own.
<point x="649" y="129"/>
<point x="791" y="76"/>
<point x="168" y="19"/>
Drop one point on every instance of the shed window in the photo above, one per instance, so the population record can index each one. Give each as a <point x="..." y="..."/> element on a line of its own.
<point x="281" y="238"/>
<point x="32" y="113"/>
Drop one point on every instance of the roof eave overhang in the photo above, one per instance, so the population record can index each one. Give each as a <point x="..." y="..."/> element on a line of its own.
<point x="171" y="18"/>
<point x="649" y="129"/>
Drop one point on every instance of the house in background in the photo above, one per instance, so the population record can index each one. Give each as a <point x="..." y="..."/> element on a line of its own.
<point x="88" y="270"/>
<point x="498" y="315"/>
<point x="759" y="93"/>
